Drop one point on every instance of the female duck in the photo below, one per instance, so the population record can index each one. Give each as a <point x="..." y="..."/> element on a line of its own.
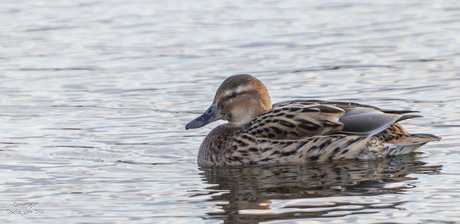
<point x="297" y="131"/>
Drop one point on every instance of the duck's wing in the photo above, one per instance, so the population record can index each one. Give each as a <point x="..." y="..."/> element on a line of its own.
<point x="295" y="121"/>
<point x="299" y="119"/>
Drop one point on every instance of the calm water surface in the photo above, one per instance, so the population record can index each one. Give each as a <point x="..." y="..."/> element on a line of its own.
<point x="94" y="96"/>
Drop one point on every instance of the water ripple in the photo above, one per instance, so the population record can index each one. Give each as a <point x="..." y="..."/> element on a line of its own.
<point x="95" y="96"/>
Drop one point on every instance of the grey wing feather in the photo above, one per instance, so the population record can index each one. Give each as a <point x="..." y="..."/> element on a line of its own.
<point x="367" y="121"/>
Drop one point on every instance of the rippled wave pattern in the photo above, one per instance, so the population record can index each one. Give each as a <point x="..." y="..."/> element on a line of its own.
<point x="95" y="94"/>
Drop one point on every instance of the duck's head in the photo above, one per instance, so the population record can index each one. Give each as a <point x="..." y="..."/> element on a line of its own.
<point x="239" y="99"/>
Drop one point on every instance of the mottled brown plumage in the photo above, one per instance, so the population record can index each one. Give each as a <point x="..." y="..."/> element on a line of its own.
<point x="297" y="131"/>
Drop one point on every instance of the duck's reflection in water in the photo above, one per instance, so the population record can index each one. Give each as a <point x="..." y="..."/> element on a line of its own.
<point x="246" y="193"/>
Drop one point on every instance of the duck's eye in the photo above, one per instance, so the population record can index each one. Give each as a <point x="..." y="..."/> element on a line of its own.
<point x="234" y="95"/>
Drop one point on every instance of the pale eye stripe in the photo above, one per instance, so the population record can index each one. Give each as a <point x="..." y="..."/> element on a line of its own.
<point x="240" y="89"/>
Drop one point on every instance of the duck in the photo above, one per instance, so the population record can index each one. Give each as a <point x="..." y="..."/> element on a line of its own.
<point x="297" y="131"/>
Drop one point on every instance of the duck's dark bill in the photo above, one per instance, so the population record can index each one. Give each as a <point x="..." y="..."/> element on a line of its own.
<point x="211" y="115"/>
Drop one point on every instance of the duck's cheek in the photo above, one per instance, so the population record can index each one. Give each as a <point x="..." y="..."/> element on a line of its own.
<point x="242" y="116"/>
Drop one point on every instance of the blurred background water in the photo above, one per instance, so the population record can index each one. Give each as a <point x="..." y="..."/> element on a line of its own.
<point x="94" y="96"/>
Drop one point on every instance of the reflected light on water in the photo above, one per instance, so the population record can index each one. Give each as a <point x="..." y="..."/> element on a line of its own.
<point x="95" y="96"/>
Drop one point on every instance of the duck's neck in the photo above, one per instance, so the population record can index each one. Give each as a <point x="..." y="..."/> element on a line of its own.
<point x="216" y="143"/>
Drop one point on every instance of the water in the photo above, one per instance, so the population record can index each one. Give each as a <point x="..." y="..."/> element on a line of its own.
<point x="94" y="97"/>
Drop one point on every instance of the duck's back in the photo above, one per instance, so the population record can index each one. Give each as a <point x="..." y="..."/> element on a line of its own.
<point x="309" y="130"/>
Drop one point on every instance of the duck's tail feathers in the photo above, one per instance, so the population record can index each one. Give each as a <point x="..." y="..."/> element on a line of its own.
<point x="405" y="117"/>
<point x="410" y="143"/>
<point x="399" y="111"/>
